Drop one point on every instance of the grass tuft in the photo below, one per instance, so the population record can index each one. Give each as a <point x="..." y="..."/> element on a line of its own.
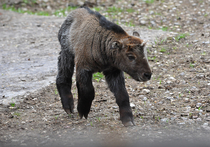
<point x="98" y="76"/>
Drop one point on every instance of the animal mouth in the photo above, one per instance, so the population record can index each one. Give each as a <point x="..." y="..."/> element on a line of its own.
<point x="141" y="79"/>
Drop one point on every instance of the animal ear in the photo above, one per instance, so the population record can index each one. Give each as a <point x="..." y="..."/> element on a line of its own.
<point x="115" y="45"/>
<point x="135" y="33"/>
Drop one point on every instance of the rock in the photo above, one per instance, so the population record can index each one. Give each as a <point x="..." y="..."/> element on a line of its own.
<point x="194" y="41"/>
<point x="169" y="98"/>
<point x="145" y="91"/>
<point x="207" y="42"/>
<point x="115" y="107"/>
<point x="182" y="74"/>
<point x="164" y="120"/>
<point x="186" y="100"/>
<point x="132" y="105"/>
<point x="198" y="105"/>
<point x="200" y="75"/>
<point x="143" y="22"/>
<point x="208" y="109"/>
<point x="172" y="78"/>
<point x="153" y="23"/>
<point x="206" y="124"/>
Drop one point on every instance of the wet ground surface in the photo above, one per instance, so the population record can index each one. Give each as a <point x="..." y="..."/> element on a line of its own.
<point x="173" y="109"/>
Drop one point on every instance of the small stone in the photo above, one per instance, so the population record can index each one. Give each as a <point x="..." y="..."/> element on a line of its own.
<point x="173" y="118"/>
<point x="186" y="100"/>
<point x="169" y="98"/>
<point x="132" y="105"/>
<point x="153" y="23"/>
<point x="200" y="76"/>
<point x="208" y="109"/>
<point x="182" y="74"/>
<point x="206" y="124"/>
<point x="198" y="105"/>
<point x="207" y="42"/>
<point x="145" y="91"/>
<point x="145" y="98"/>
<point x="164" y="120"/>
<point x="151" y="12"/>
<point x="181" y="123"/>
<point x="183" y="118"/>
<point x="143" y="22"/>
<point x="172" y="78"/>
<point x="195" y="117"/>
<point x="115" y="107"/>
<point x="194" y="41"/>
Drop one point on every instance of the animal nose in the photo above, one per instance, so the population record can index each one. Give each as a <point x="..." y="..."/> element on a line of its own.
<point x="148" y="75"/>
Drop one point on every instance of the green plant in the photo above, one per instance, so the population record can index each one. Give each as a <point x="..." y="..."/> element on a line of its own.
<point x="114" y="10"/>
<point x="199" y="108"/>
<point x="152" y="58"/>
<point x="91" y="123"/>
<point x="204" y="53"/>
<point x="16" y="114"/>
<point x="19" y="10"/>
<point x="56" y="117"/>
<point x="163" y="50"/>
<point x="98" y="76"/>
<point x="96" y="8"/>
<point x="25" y="1"/>
<point x="130" y="10"/>
<point x="56" y="91"/>
<point x="191" y="65"/>
<point x="98" y="118"/>
<point x="33" y="1"/>
<point x="149" y="1"/>
<point x="164" y="28"/>
<point x="149" y="27"/>
<point x="157" y="117"/>
<point x="130" y="24"/>
<point x="12" y="104"/>
<point x="180" y="36"/>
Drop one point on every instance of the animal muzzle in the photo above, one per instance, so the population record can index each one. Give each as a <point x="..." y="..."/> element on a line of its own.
<point x="147" y="76"/>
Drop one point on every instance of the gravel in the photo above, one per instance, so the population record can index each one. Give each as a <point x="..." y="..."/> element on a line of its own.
<point x="173" y="105"/>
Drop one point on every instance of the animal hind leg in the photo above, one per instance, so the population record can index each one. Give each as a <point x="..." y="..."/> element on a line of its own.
<point x="64" y="80"/>
<point x="86" y="92"/>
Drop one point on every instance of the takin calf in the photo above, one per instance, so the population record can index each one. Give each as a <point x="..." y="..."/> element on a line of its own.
<point x="94" y="44"/>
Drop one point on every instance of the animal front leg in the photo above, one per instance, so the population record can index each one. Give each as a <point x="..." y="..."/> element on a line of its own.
<point x="86" y="92"/>
<point x="116" y="83"/>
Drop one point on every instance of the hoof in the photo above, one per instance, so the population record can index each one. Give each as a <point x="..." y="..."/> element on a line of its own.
<point x="81" y="114"/>
<point x="68" y="111"/>
<point x="128" y="124"/>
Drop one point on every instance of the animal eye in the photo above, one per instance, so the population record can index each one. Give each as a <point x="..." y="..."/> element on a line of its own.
<point x="131" y="57"/>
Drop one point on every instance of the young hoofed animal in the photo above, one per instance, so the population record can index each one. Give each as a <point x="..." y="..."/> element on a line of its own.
<point x="95" y="44"/>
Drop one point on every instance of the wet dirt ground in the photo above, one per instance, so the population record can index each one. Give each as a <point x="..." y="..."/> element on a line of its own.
<point x="173" y="108"/>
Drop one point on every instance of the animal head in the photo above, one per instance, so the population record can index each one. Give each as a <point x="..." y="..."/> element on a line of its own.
<point x="130" y="55"/>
